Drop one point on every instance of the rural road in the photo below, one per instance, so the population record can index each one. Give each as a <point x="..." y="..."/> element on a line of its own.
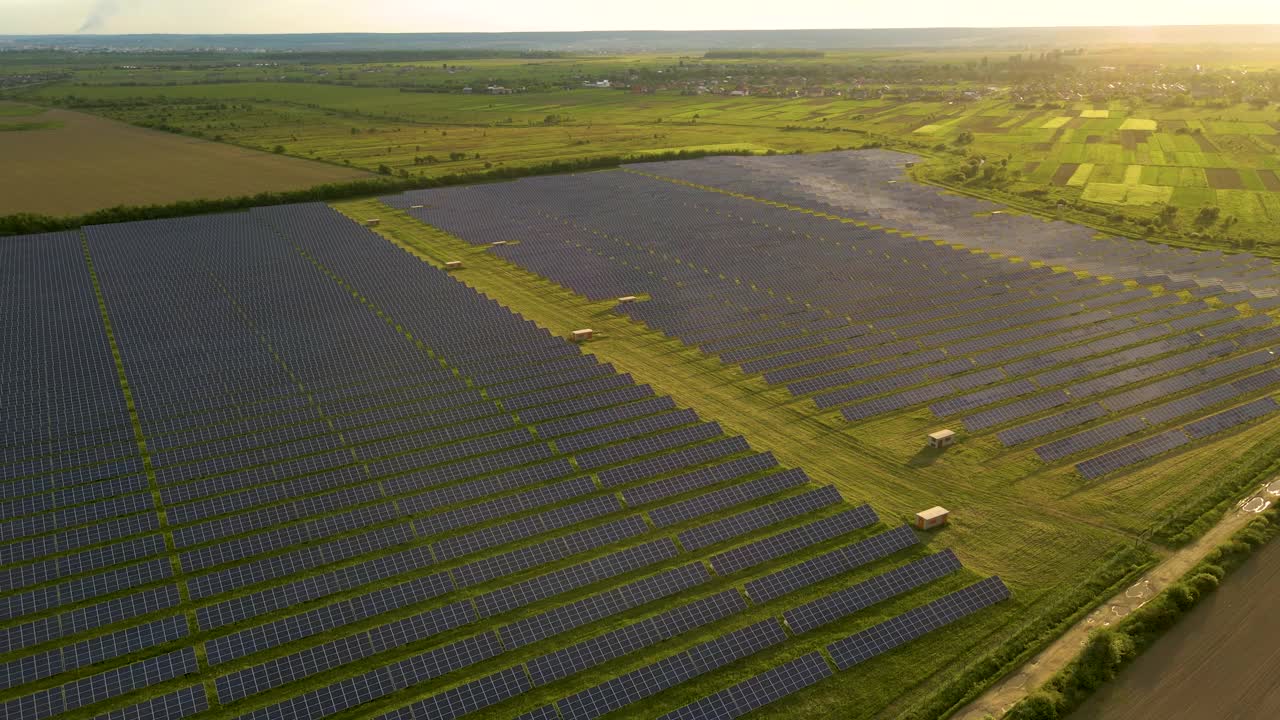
<point x="1018" y="684"/>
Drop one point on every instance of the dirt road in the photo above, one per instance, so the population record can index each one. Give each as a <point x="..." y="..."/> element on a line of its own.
<point x="1040" y="668"/>
<point x="1221" y="661"/>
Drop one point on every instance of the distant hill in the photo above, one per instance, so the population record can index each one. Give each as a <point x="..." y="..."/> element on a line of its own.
<point x="632" y="41"/>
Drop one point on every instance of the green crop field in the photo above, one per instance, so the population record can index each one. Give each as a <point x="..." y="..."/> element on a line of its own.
<point x="1176" y="157"/>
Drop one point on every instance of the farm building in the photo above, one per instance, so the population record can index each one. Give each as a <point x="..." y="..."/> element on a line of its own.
<point x="932" y="518"/>
<point x="941" y="438"/>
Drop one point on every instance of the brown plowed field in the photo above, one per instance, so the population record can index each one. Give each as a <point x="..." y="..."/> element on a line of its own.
<point x="1224" y="179"/>
<point x="1129" y="139"/>
<point x="1270" y="179"/>
<point x="1064" y="173"/>
<point x="1221" y="661"/>
<point x="984" y="123"/>
<point x="1203" y="142"/>
<point x="90" y="163"/>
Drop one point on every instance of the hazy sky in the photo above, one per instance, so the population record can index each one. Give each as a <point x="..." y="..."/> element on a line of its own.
<point x="285" y="16"/>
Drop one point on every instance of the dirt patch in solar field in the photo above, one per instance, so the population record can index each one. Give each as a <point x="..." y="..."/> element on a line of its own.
<point x="87" y="163"/>
<point x="1270" y="179"/>
<point x="1129" y="139"/>
<point x="1093" y="140"/>
<point x="1224" y="179"/>
<point x="1203" y="142"/>
<point x="1227" y="643"/>
<point x="1064" y="173"/>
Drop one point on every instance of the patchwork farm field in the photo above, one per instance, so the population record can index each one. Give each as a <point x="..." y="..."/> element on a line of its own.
<point x="1145" y="161"/>
<point x="59" y="162"/>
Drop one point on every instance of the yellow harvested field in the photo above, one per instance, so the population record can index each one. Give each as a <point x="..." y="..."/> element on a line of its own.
<point x="88" y="163"/>
<point x="1138" y="124"/>
<point x="1095" y="114"/>
<point x="1055" y="123"/>
<point x="1081" y="175"/>
<point x="927" y="129"/>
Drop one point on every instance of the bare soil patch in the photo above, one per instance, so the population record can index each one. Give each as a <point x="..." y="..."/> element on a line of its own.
<point x="1093" y="140"/>
<point x="1024" y="120"/>
<point x="1270" y="179"/>
<point x="1064" y="173"/>
<point x="1172" y="125"/>
<point x="1030" y="167"/>
<point x="1224" y="179"/>
<point x="89" y="163"/>
<point x="984" y="123"/>
<point x="1204" y="143"/>
<point x="1129" y="139"/>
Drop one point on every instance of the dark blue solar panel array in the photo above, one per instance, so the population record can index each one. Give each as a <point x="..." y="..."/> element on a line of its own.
<point x="871" y="322"/>
<point x="351" y="496"/>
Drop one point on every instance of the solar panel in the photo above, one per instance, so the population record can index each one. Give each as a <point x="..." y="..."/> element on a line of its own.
<point x="170" y="706"/>
<point x="1231" y="418"/>
<point x="754" y="693"/>
<point x="761" y="517"/>
<point x="847" y="601"/>
<point x="700" y="505"/>
<point x="910" y="625"/>
<point x="672" y="461"/>
<point x="651" y="679"/>
<point x="793" y="540"/>
<point x="634" y="636"/>
<point x="602" y="605"/>
<point x="830" y="564"/>
<point x="574" y="576"/>
<point x="698" y="479"/>
<point x="475" y="695"/>
<point x="1132" y="454"/>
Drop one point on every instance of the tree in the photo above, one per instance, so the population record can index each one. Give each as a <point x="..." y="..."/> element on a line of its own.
<point x="384" y="169"/>
<point x="964" y="138"/>
<point x="279" y="150"/>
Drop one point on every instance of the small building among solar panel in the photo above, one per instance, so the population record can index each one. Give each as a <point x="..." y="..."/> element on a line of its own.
<point x="583" y="335"/>
<point x="933" y="517"/>
<point x="941" y="438"/>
